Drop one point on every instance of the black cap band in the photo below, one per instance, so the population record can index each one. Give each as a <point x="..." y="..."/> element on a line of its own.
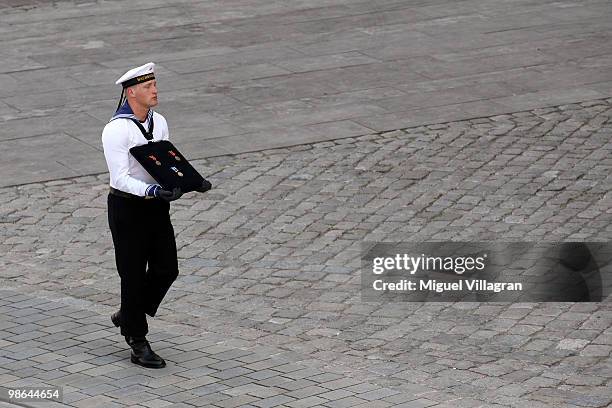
<point x="138" y="80"/>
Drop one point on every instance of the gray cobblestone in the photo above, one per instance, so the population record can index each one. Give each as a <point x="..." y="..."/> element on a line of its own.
<point x="271" y="256"/>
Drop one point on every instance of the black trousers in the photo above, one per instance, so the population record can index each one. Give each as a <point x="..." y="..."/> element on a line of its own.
<point x="145" y="254"/>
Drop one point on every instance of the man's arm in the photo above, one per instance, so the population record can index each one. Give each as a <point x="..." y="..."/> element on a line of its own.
<point x="115" y="142"/>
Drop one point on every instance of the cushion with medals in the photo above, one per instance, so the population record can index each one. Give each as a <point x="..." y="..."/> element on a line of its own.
<point x="167" y="166"/>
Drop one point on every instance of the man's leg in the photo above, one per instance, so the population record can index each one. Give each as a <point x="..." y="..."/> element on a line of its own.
<point x="126" y="218"/>
<point x="163" y="265"/>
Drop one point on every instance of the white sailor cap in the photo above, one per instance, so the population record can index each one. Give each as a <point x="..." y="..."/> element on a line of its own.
<point x="137" y="75"/>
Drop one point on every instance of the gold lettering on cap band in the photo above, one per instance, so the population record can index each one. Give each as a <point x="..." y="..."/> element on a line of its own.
<point x="145" y="77"/>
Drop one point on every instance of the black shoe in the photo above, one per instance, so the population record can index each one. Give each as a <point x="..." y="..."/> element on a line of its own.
<point x="116" y="318"/>
<point x="142" y="353"/>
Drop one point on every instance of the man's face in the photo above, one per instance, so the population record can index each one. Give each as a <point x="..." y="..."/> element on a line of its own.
<point x="146" y="94"/>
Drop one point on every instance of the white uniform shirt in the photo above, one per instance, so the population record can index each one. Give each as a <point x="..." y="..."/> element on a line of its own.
<point x="118" y="137"/>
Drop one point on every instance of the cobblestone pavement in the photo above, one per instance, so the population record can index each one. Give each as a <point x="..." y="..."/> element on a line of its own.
<point x="269" y="259"/>
<point x="47" y="342"/>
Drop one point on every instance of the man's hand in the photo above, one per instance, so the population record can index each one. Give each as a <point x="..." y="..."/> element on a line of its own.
<point x="204" y="187"/>
<point x="166" y="195"/>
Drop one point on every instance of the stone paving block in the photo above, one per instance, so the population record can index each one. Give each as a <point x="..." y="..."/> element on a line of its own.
<point x="345" y="402"/>
<point x="596" y="351"/>
<point x="286" y="383"/>
<point x="377" y="394"/>
<point x="262" y="374"/>
<point x="237" y="401"/>
<point x="210" y="389"/>
<point x="374" y="404"/>
<point x="137" y="398"/>
<point x="126" y="391"/>
<point x="230" y="373"/>
<point x="307" y="392"/>
<point x="75" y="368"/>
<point x="274" y="401"/>
<point x="324" y="62"/>
<point x="232" y="355"/>
<point x="181" y="356"/>
<point x="206" y="400"/>
<point x="418" y="403"/>
<point x="251" y="358"/>
<point x="264" y="364"/>
<point x="303" y="373"/>
<point x="197" y="382"/>
<point x="196" y="372"/>
<point x="97" y="401"/>
<point x="157" y="403"/>
<point x="185" y="396"/>
<point x="336" y="394"/>
<point x="195" y="345"/>
<point x="325" y="377"/>
<point x="340" y="383"/>
<point x="224" y="365"/>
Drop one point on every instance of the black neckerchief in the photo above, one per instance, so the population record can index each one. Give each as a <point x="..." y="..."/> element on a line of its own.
<point x="147" y="134"/>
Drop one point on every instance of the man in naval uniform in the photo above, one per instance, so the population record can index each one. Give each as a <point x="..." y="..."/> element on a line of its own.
<point x="138" y="213"/>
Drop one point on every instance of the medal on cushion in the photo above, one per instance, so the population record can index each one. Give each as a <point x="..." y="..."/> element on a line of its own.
<point x="178" y="173"/>
<point x="154" y="159"/>
<point x="176" y="157"/>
